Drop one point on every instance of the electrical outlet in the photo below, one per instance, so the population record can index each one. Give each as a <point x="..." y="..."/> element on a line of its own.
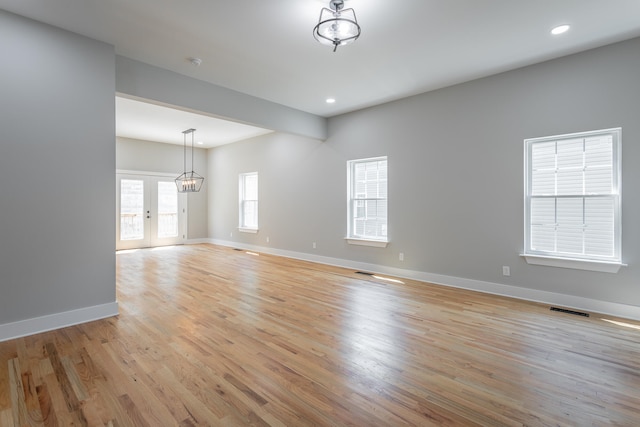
<point x="506" y="271"/>
<point x="231" y="234"/>
<point x="401" y="256"/>
<point x="314" y="245"/>
<point x="267" y="239"/>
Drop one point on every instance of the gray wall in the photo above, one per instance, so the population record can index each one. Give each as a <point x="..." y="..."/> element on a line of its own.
<point x="148" y="156"/>
<point x="287" y="167"/>
<point x="455" y="174"/>
<point x="57" y="162"/>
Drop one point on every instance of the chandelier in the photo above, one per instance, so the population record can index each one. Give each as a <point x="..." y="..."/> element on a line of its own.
<point x="188" y="182"/>
<point x="337" y="26"/>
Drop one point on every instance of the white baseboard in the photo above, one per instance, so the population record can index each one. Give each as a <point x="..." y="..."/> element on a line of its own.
<point x="197" y="241"/>
<point x="528" y="294"/>
<point x="36" y="325"/>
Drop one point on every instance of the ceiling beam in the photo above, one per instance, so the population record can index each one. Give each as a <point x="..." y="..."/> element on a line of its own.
<point x="143" y="81"/>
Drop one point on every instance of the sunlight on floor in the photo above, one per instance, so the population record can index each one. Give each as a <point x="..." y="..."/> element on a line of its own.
<point x="162" y="248"/>
<point x="126" y="251"/>
<point x="388" y="279"/>
<point x="626" y="325"/>
<point x="373" y="343"/>
<point x="158" y="248"/>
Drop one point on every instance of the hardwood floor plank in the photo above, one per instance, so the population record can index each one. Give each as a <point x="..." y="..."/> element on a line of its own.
<point x="32" y="401"/>
<point x="139" y="396"/>
<point x="69" y="395"/>
<point x="58" y="403"/>
<point x="112" y="404"/>
<point x="91" y="413"/>
<point x="18" y="404"/>
<point x="74" y="379"/>
<point x="199" y="410"/>
<point x="7" y="352"/>
<point x="6" y="418"/>
<point x="49" y="418"/>
<point x="132" y="411"/>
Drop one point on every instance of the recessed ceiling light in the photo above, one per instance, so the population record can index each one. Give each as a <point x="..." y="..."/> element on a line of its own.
<point x="331" y="100"/>
<point x="560" y="29"/>
<point x="199" y="142"/>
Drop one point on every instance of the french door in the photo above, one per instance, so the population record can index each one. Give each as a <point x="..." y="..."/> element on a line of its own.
<point x="150" y="211"/>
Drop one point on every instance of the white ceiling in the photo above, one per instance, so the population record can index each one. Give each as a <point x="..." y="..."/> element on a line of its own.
<point x="266" y="48"/>
<point x="142" y="120"/>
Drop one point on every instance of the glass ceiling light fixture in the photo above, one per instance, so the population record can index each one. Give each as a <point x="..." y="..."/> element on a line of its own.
<point x="189" y="182"/>
<point x="560" y="29"/>
<point x="337" y="26"/>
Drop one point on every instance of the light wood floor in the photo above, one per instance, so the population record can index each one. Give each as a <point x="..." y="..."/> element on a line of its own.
<point x="212" y="336"/>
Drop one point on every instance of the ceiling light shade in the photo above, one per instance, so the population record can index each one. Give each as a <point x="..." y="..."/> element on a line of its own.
<point x="189" y="182"/>
<point x="337" y="26"/>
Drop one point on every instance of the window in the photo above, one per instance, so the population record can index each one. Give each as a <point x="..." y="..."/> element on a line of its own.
<point x="368" y="201"/>
<point x="572" y="200"/>
<point x="248" y="202"/>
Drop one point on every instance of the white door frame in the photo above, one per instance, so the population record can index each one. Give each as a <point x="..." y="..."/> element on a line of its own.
<point x="150" y="225"/>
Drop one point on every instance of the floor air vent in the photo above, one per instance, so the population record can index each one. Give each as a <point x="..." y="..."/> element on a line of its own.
<point x="236" y="249"/>
<point x="365" y="273"/>
<point x="564" y="310"/>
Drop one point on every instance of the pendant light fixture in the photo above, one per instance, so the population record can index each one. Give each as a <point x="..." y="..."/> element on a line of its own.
<point x="189" y="182"/>
<point x="337" y="26"/>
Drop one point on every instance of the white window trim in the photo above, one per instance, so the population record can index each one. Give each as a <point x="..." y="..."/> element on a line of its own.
<point x="553" y="260"/>
<point x="359" y="240"/>
<point x="573" y="263"/>
<point x="248" y="230"/>
<point x="367" y="242"/>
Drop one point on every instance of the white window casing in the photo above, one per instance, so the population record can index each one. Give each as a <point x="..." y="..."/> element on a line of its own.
<point x="248" y="202"/>
<point x="367" y="202"/>
<point x="573" y="200"/>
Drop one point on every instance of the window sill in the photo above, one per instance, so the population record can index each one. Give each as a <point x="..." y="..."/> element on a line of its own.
<point x="367" y="242"/>
<point x="247" y="230"/>
<point x="576" y="264"/>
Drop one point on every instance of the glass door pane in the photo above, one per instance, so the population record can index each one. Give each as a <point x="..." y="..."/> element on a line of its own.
<point x="167" y="210"/>
<point x="131" y="209"/>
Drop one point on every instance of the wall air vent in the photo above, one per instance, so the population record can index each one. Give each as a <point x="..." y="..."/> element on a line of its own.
<point x="564" y="310"/>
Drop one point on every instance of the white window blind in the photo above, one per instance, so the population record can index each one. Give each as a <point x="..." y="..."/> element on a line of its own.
<point x="248" y="197"/>
<point x="573" y="196"/>
<point x="368" y="199"/>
